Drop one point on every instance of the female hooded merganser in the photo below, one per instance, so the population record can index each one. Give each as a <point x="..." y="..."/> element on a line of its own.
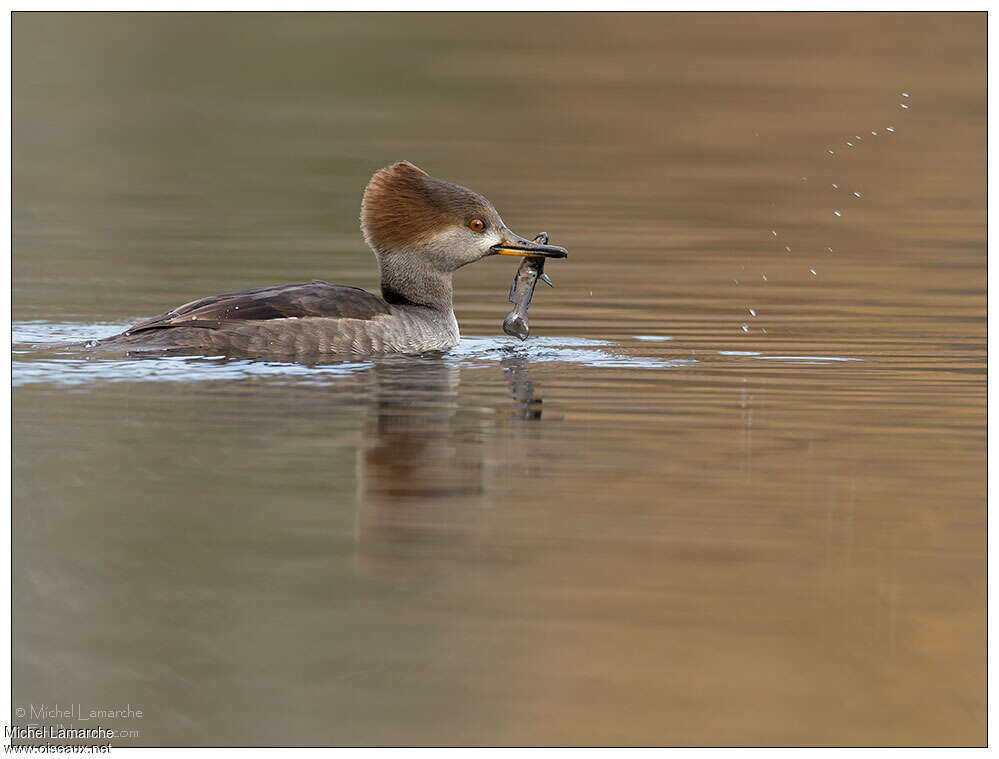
<point x="421" y="230"/>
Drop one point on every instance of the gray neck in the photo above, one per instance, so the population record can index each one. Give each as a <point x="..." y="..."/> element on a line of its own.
<point x="410" y="280"/>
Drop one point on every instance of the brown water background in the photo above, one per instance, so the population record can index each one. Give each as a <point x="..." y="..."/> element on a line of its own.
<point x="647" y="525"/>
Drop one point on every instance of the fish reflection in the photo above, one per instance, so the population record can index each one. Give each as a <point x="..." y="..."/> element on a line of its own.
<point x="422" y="466"/>
<point x="521" y="387"/>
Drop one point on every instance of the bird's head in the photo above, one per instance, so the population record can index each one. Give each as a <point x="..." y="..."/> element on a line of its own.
<point x="408" y="213"/>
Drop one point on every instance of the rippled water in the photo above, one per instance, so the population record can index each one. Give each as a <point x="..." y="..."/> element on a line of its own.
<point x="731" y="491"/>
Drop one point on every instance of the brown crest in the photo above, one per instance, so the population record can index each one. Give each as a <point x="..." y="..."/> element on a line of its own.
<point x="405" y="206"/>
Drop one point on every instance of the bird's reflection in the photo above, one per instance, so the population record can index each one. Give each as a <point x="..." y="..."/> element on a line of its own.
<point x="426" y="456"/>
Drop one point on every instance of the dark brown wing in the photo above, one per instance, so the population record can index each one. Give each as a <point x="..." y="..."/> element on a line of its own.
<point x="316" y="298"/>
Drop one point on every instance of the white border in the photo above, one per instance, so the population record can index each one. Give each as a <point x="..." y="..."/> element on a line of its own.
<point x="452" y="5"/>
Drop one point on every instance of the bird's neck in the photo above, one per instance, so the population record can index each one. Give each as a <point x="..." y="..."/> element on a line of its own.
<point x="409" y="280"/>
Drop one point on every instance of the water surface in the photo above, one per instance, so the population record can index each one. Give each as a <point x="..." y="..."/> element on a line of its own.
<point x="731" y="491"/>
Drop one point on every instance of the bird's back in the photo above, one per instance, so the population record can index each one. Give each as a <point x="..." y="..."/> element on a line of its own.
<point x="305" y="319"/>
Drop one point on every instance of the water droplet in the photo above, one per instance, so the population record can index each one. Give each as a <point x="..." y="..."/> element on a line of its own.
<point x="773" y="232"/>
<point x="763" y="330"/>
<point x="905" y="94"/>
<point x="814" y="273"/>
<point x="889" y="129"/>
<point x="875" y="134"/>
<point x="90" y="344"/>
<point x="831" y="152"/>
<point x="804" y="179"/>
<point x="591" y="293"/>
<point x="764" y="277"/>
<point x="127" y="333"/>
<point x="752" y="312"/>
<point x="236" y="307"/>
<point x="856" y="137"/>
<point x="903" y="105"/>
<point x="857" y="195"/>
<point x="837" y="213"/>
<point x="745" y="328"/>
<point x="787" y="248"/>
<point x="835" y="186"/>
<point x="735" y="281"/>
<point x="829" y="249"/>
<point x="850" y="144"/>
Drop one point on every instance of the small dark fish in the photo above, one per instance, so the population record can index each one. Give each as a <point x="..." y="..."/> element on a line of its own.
<point x="531" y="269"/>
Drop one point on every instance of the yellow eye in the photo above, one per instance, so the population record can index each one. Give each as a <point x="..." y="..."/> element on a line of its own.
<point x="476" y="225"/>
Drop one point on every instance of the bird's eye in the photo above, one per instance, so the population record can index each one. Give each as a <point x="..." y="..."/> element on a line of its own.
<point x="476" y="225"/>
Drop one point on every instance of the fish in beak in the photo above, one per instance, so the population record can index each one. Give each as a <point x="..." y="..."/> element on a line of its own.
<point x="513" y="244"/>
<point x="532" y="268"/>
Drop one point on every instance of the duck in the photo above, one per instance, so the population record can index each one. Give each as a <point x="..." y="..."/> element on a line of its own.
<point x="421" y="230"/>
